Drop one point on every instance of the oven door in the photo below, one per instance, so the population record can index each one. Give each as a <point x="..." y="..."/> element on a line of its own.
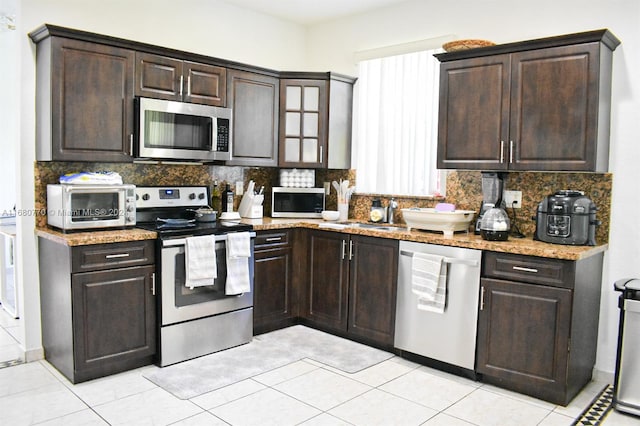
<point x="179" y="303"/>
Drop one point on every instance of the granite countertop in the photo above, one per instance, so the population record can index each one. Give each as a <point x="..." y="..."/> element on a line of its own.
<point x="525" y="246"/>
<point x="95" y="237"/>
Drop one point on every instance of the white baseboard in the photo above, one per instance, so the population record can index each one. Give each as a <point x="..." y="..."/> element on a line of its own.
<point x="603" y="376"/>
<point x="34" y="355"/>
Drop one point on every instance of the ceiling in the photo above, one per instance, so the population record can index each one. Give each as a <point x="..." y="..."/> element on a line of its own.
<point x="307" y="12"/>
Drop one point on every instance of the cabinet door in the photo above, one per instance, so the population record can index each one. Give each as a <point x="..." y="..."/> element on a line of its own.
<point x="91" y="102"/>
<point x="254" y="100"/>
<point x="523" y="337"/>
<point x="372" y="288"/>
<point x="205" y="84"/>
<point x="158" y="77"/>
<point x="554" y="108"/>
<point x="272" y="289"/>
<point x="303" y="123"/>
<point x="473" y="119"/>
<point x="328" y="281"/>
<point x="114" y="319"/>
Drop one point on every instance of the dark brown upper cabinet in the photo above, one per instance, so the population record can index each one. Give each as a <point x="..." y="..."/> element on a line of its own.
<point x="535" y="105"/>
<point x="162" y="77"/>
<point x="315" y="120"/>
<point x="84" y="100"/>
<point x="254" y="101"/>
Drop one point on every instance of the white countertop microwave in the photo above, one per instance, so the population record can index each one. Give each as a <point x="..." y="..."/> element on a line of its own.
<point x="297" y="202"/>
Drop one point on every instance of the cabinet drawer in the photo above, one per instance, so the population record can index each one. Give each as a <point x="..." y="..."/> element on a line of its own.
<point x="115" y="255"/>
<point x="536" y="270"/>
<point x="272" y="239"/>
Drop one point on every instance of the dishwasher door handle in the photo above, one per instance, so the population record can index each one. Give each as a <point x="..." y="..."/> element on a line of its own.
<point x="446" y="259"/>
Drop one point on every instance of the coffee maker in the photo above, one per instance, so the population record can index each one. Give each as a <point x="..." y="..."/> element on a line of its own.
<point x="492" y="187"/>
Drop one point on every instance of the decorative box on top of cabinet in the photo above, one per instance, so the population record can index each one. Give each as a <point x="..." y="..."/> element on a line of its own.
<point x="351" y="288"/>
<point x="538" y="324"/>
<point x="163" y="77"/>
<point x="98" y="307"/>
<point x="84" y="98"/>
<point x="534" y="105"/>
<point x="315" y="120"/>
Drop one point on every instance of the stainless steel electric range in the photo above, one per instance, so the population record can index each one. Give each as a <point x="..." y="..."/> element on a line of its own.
<point x="199" y="320"/>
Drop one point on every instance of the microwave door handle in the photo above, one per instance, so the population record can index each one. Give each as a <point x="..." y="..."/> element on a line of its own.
<point x="213" y="128"/>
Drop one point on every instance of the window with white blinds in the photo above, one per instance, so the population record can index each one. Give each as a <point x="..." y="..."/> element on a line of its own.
<point x="397" y="125"/>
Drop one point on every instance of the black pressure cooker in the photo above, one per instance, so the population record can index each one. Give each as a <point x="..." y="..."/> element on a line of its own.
<point x="566" y="217"/>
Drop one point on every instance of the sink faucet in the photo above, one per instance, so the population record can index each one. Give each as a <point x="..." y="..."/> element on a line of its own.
<point x="391" y="210"/>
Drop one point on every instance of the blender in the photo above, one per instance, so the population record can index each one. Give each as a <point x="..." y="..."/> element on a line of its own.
<point x="492" y="187"/>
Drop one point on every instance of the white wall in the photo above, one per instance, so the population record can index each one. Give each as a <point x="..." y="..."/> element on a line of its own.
<point x="8" y="111"/>
<point x="331" y="46"/>
<point x="209" y="27"/>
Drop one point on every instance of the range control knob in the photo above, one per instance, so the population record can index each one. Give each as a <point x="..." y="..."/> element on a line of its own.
<point x="201" y="196"/>
<point x="145" y="197"/>
<point x="192" y="196"/>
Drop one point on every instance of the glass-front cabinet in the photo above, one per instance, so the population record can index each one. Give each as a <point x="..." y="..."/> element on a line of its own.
<point x="315" y="120"/>
<point x="305" y="103"/>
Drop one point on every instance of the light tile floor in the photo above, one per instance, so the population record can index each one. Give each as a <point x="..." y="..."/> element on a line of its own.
<point x="394" y="392"/>
<point x="10" y="330"/>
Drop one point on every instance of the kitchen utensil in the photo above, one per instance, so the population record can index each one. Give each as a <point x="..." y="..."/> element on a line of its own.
<point x="205" y="214"/>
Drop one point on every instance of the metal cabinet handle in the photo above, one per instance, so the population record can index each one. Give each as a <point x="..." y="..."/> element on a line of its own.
<point x="153" y="283"/>
<point x="273" y="239"/>
<point x="320" y="155"/>
<point x="510" y="152"/>
<point x="482" y="298"/>
<point x="501" y="152"/>
<point x="116" y="256"/>
<point x="131" y="144"/>
<point x="344" y="249"/>
<point x="181" y="81"/>
<point x="189" y="85"/>
<point x="523" y="269"/>
<point x="350" y="249"/>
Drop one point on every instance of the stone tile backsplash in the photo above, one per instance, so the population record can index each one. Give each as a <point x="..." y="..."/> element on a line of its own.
<point x="463" y="187"/>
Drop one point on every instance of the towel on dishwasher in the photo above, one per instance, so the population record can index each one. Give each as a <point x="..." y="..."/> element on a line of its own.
<point x="429" y="281"/>
<point x="238" y="254"/>
<point x="200" y="261"/>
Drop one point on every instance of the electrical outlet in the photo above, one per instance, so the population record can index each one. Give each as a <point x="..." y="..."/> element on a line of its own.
<point x="327" y="188"/>
<point x="239" y="188"/>
<point x="513" y="199"/>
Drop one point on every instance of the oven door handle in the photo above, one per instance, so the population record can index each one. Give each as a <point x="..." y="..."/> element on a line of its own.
<point x="182" y="241"/>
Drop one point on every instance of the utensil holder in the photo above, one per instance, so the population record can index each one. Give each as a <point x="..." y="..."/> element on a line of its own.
<point x="343" y="212"/>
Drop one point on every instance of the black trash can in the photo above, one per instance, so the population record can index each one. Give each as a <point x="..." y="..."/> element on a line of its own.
<point x="626" y="393"/>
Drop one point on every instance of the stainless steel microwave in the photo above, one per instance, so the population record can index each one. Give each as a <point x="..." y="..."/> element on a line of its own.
<point x="171" y="130"/>
<point x="297" y="202"/>
<point x="82" y="207"/>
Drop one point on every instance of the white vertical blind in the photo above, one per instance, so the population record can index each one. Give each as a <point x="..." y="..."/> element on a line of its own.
<point x="397" y="125"/>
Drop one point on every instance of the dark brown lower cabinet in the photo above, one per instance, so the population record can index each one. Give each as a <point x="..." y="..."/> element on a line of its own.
<point x="352" y="285"/>
<point x="538" y="324"/>
<point x="98" y="307"/>
<point x="273" y="292"/>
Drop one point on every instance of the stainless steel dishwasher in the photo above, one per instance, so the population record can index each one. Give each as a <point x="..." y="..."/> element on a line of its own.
<point x="448" y="337"/>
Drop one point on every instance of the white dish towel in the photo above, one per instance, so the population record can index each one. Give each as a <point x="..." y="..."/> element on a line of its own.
<point x="238" y="254"/>
<point x="429" y="282"/>
<point x="200" y="261"/>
